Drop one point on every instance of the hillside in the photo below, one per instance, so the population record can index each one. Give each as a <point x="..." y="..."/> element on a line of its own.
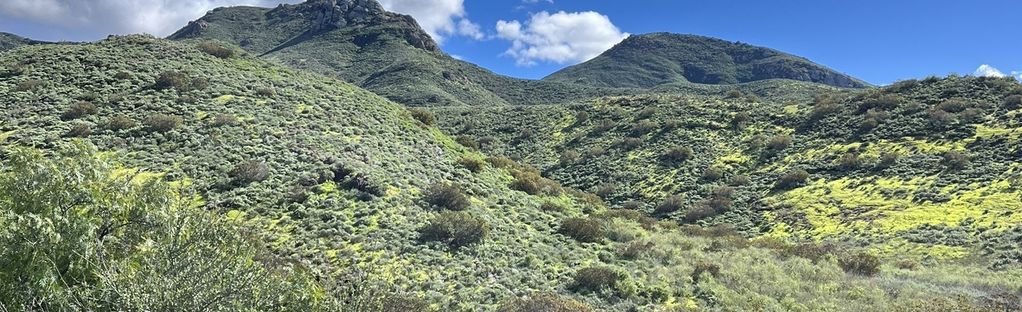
<point x="11" y="41"/>
<point x="384" y="52"/>
<point x="922" y="170"/>
<point x="356" y="191"/>
<point x="650" y="60"/>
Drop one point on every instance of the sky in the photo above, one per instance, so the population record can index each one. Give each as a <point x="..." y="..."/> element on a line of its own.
<point x="880" y="41"/>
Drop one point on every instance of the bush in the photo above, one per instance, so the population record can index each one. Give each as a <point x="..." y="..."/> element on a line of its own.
<point x="446" y="196"/>
<point x="596" y="279"/>
<point x="568" y="158"/>
<point x="642" y="128"/>
<point x="823" y="107"/>
<point x="122" y="75"/>
<point x="456" y="229"/>
<point x="28" y="85"/>
<point x="172" y="80"/>
<point x="581" y="117"/>
<point x="739" y="180"/>
<point x="882" y="102"/>
<point x="423" y="116"/>
<point x="501" y="162"/>
<point x="679" y="154"/>
<point x="635" y="249"/>
<point x="810" y="251"/>
<point x="712" y="173"/>
<point x="467" y="141"/>
<point x="472" y="164"/>
<point x="699" y="212"/>
<point x="1013" y="101"/>
<point x="215" y="49"/>
<point x="645" y="113"/>
<point x="849" y="162"/>
<point x="703" y="267"/>
<point x="544" y="302"/>
<point x="118" y="123"/>
<point x="80" y="130"/>
<point x="363" y="183"/>
<point x="266" y="92"/>
<point x="603" y="126"/>
<point x="861" y="263"/>
<point x="779" y="142"/>
<point x="162" y="123"/>
<point x="248" y="172"/>
<point x="733" y="94"/>
<point x="887" y="159"/>
<point x="606" y="190"/>
<point x="629" y="143"/>
<point x="530" y="182"/>
<point x="79" y="110"/>
<point x="792" y="179"/>
<point x="669" y="205"/>
<point x="740" y="119"/>
<point x="940" y="119"/>
<point x="586" y="230"/>
<point x="953" y="106"/>
<point x="223" y="120"/>
<point x="956" y="160"/>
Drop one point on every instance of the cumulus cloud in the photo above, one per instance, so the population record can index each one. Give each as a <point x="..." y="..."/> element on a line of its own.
<point x="559" y="37"/>
<point x="439" y="18"/>
<point x="988" y="71"/>
<point x="157" y="17"/>
<point x="1017" y="74"/>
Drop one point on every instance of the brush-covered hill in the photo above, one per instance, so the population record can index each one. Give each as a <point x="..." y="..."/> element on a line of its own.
<point x="922" y="170"/>
<point x="11" y="41"/>
<point x="650" y="60"/>
<point x="387" y="53"/>
<point x="368" y="204"/>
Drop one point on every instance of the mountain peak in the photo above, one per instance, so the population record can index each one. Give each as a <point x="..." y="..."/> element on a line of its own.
<point x="654" y="59"/>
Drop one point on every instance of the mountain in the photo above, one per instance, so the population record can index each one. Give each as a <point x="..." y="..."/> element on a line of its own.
<point x="359" y="204"/>
<point x="650" y="60"/>
<point x="387" y="53"/>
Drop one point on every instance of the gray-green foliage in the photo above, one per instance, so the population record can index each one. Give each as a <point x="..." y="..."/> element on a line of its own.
<point x="81" y="234"/>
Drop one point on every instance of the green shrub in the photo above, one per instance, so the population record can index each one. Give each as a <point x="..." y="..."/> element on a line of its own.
<point x="472" y="164"/>
<point x="699" y="212"/>
<point x="713" y="173"/>
<point x="224" y="120"/>
<point x="603" y="126"/>
<point x="79" y="130"/>
<point x="679" y="154"/>
<point x="586" y="230"/>
<point x="172" y="80"/>
<point x="467" y="141"/>
<point x="550" y="206"/>
<point x="446" y="196"/>
<point x="792" y="179"/>
<point x="940" y="119"/>
<point x="122" y="75"/>
<point x="544" y="302"/>
<point x="606" y="190"/>
<point x="778" y="143"/>
<point x="215" y="49"/>
<point x="733" y="94"/>
<point x="1013" y="101"/>
<point x="118" y="123"/>
<point x="530" y="182"/>
<point x="704" y="267"/>
<point x="882" y="102"/>
<point x="956" y="160"/>
<point x="266" y="92"/>
<point x="887" y="159"/>
<point x="740" y="119"/>
<point x="457" y="229"/>
<point x="596" y="279"/>
<point x="635" y="249"/>
<point x="861" y="263"/>
<point x="739" y="180"/>
<point x="363" y="183"/>
<point x="501" y="162"/>
<point x="581" y="117"/>
<point x="645" y="113"/>
<point x="568" y="158"/>
<point x="162" y="123"/>
<point x="811" y="251"/>
<point x="849" y="162"/>
<point x="669" y="205"/>
<point x="79" y="110"/>
<point x="424" y="116"/>
<point x="642" y="128"/>
<point x="823" y="107"/>
<point x="629" y="143"/>
<point x="953" y="106"/>
<point x="28" y="85"/>
<point x="248" y="172"/>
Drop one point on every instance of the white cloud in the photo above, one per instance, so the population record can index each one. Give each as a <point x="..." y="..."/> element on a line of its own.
<point x="157" y="17"/>
<point x="988" y="71"/>
<point x="560" y="37"/>
<point x="1017" y="74"/>
<point x="439" y="18"/>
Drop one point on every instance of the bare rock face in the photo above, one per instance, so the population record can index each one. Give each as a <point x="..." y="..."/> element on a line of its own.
<point x="333" y="14"/>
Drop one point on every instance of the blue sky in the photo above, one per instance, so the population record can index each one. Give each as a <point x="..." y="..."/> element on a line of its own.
<point x="878" y="41"/>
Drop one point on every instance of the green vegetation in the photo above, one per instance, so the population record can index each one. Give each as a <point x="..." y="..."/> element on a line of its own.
<point x="650" y="60"/>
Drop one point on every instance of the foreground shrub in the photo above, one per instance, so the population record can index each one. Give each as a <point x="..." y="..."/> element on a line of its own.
<point x="79" y="110"/>
<point x="215" y="49"/>
<point x="669" y="205"/>
<point x="544" y="302"/>
<point x="792" y="179"/>
<point x="586" y="230"/>
<point x="423" y="116"/>
<point x="596" y="279"/>
<point x="457" y="229"/>
<point x="861" y="263"/>
<point x="162" y="123"/>
<point x="144" y="242"/>
<point x="446" y="196"/>
<point x="248" y="172"/>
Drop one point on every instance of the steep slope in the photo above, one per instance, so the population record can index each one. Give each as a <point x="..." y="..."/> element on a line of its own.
<point x="387" y="53"/>
<point x="11" y="41"/>
<point x="650" y="60"/>
<point x="344" y="184"/>
<point x="920" y="170"/>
